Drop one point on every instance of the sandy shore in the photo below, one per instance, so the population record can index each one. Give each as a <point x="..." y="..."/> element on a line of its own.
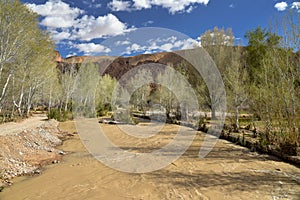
<point x="228" y="172"/>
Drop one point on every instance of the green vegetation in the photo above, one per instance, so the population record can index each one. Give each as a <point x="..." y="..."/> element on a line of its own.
<point x="60" y="116"/>
<point x="26" y="66"/>
<point x="262" y="80"/>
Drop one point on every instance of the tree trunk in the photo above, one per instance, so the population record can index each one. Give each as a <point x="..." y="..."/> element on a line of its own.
<point x="237" y="126"/>
<point x="50" y="98"/>
<point x="66" y="103"/>
<point x="4" y="89"/>
<point x="213" y="113"/>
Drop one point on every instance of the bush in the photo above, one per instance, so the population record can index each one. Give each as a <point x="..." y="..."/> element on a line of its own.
<point x="102" y="109"/>
<point x="60" y="116"/>
<point x="202" y="125"/>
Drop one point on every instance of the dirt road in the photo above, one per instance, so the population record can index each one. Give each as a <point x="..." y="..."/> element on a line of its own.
<point x="228" y="172"/>
<point x="17" y="127"/>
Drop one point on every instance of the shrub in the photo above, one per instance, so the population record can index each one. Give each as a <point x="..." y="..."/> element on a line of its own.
<point x="102" y="109"/>
<point x="202" y="124"/>
<point x="60" y="116"/>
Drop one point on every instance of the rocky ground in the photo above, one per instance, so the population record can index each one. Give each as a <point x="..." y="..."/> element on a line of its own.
<point x="26" y="146"/>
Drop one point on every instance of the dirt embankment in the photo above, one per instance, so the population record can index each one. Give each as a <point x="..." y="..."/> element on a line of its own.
<point x="26" y="146"/>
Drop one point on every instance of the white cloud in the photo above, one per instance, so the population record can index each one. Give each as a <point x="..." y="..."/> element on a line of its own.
<point x="59" y="15"/>
<point x="98" y="5"/>
<point x="296" y="5"/>
<point x="174" y="6"/>
<point x="148" y="23"/>
<point x="142" y="4"/>
<point x="92" y="48"/>
<point x="157" y="45"/>
<point x="100" y="27"/>
<point x="55" y="8"/>
<point x="58" y="36"/>
<point x="71" y="54"/>
<point x="190" y="9"/>
<point x="117" y="5"/>
<point x="58" y="21"/>
<point x="92" y="4"/>
<point x="122" y="43"/>
<point x="281" y="6"/>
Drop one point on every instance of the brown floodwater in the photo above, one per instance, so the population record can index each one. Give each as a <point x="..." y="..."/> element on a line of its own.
<point x="228" y="172"/>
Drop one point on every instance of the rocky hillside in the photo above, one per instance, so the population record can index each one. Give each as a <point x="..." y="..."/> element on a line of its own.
<point x="117" y="66"/>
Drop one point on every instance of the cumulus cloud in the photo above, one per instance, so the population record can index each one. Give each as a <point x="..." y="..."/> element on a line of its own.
<point x="92" y="4"/>
<point x="122" y="43"/>
<point x="281" y="6"/>
<point x="100" y="27"/>
<point x="55" y="8"/>
<point x="58" y="36"/>
<point x="174" y="6"/>
<point x="117" y="5"/>
<point x="296" y="5"/>
<point x="142" y="4"/>
<point x="156" y="45"/>
<point x="67" y="22"/>
<point x="92" y="48"/>
<point x="56" y="11"/>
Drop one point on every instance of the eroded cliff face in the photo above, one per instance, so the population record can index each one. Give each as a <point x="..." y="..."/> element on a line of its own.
<point x="121" y="65"/>
<point x="118" y="66"/>
<point x="57" y="57"/>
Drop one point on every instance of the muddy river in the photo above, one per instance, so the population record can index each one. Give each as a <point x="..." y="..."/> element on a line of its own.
<point x="228" y="172"/>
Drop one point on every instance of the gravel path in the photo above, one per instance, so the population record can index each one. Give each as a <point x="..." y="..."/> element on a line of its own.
<point x="13" y="128"/>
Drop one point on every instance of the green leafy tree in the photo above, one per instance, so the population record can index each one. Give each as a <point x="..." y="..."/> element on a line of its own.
<point x="236" y="83"/>
<point x="104" y="95"/>
<point x="85" y="88"/>
<point x="219" y="44"/>
<point x="274" y="64"/>
<point x="26" y="57"/>
<point x="260" y="41"/>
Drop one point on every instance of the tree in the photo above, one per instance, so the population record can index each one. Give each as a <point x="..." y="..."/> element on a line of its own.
<point x="26" y="55"/>
<point x="85" y="88"/>
<point x="274" y="66"/>
<point x="104" y="94"/>
<point x="139" y="87"/>
<point x="217" y="37"/>
<point x="236" y="82"/>
<point x="35" y="71"/>
<point x="219" y="44"/>
<point x="67" y="80"/>
<point x="175" y="93"/>
<point x="260" y="41"/>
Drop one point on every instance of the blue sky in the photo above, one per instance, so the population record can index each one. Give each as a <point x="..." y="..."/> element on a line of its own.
<point x="91" y="27"/>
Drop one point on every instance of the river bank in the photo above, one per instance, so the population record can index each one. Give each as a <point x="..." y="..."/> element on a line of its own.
<point x="228" y="172"/>
<point x="27" y="146"/>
